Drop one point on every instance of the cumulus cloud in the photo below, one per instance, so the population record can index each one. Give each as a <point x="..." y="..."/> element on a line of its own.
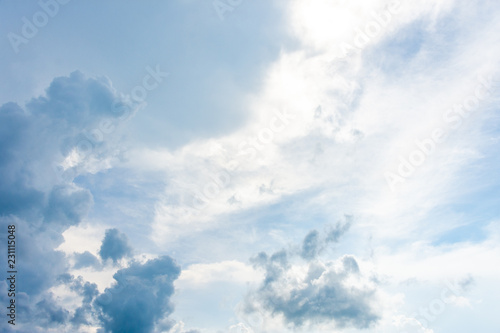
<point x="304" y="290"/>
<point x="49" y="314"/>
<point x="85" y="259"/>
<point x="76" y="114"/>
<point x="140" y="297"/>
<point x="43" y="141"/>
<point x="115" y="246"/>
<point x="313" y="244"/>
<point x="46" y="144"/>
<point x="338" y="230"/>
<point x="67" y="205"/>
<point x="41" y="148"/>
<point x="83" y="315"/>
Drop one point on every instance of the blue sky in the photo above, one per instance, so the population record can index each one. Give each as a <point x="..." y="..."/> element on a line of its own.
<point x="251" y="166"/>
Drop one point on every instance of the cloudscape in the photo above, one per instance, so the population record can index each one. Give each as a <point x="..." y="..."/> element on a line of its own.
<point x="237" y="166"/>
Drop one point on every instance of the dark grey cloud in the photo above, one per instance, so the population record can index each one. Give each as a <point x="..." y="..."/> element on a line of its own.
<point x="320" y="296"/>
<point x="16" y="195"/>
<point x="274" y="265"/>
<point x="39" y="263"/>
<point x="86" y="259"/>
<point x="42" y="312"/>
<point x="140" y="297"/>
<point x="81" y="316"/>
<point x="75" y="101"/>
<point x="314" y="243"/>
<point x="86" y="289"/>
<point x="49" y="314"/>
<point x="43" y="203"/>
<point x="40" y="268"/>
<point x="73" y="113"/>
<point x="310" y="245"/>
<point x="84" y="314"/>
<point x="115" y="246"/>
<point x="67" y="205"/>
<point x="338" y="230"/>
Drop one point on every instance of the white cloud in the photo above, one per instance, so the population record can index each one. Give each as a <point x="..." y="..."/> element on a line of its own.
<point x="353" y="119"/>
<point x="200" y="275"/>
<point x="351" y="123"/>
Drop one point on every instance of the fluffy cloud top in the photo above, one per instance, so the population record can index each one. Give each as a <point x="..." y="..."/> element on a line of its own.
<point x="85" y="259"/>
<point x="115" y="246"/>
<point x="39" y="194"/>
<point x="306" y="290"/>
<point x="140" y="297"/>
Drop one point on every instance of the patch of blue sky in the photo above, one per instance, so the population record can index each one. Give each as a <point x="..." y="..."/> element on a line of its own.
<point x="473" y="211"/>
<point x="428" y="42"/>
<point x="185" y="38"/>
<point x="128" y="205"/>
